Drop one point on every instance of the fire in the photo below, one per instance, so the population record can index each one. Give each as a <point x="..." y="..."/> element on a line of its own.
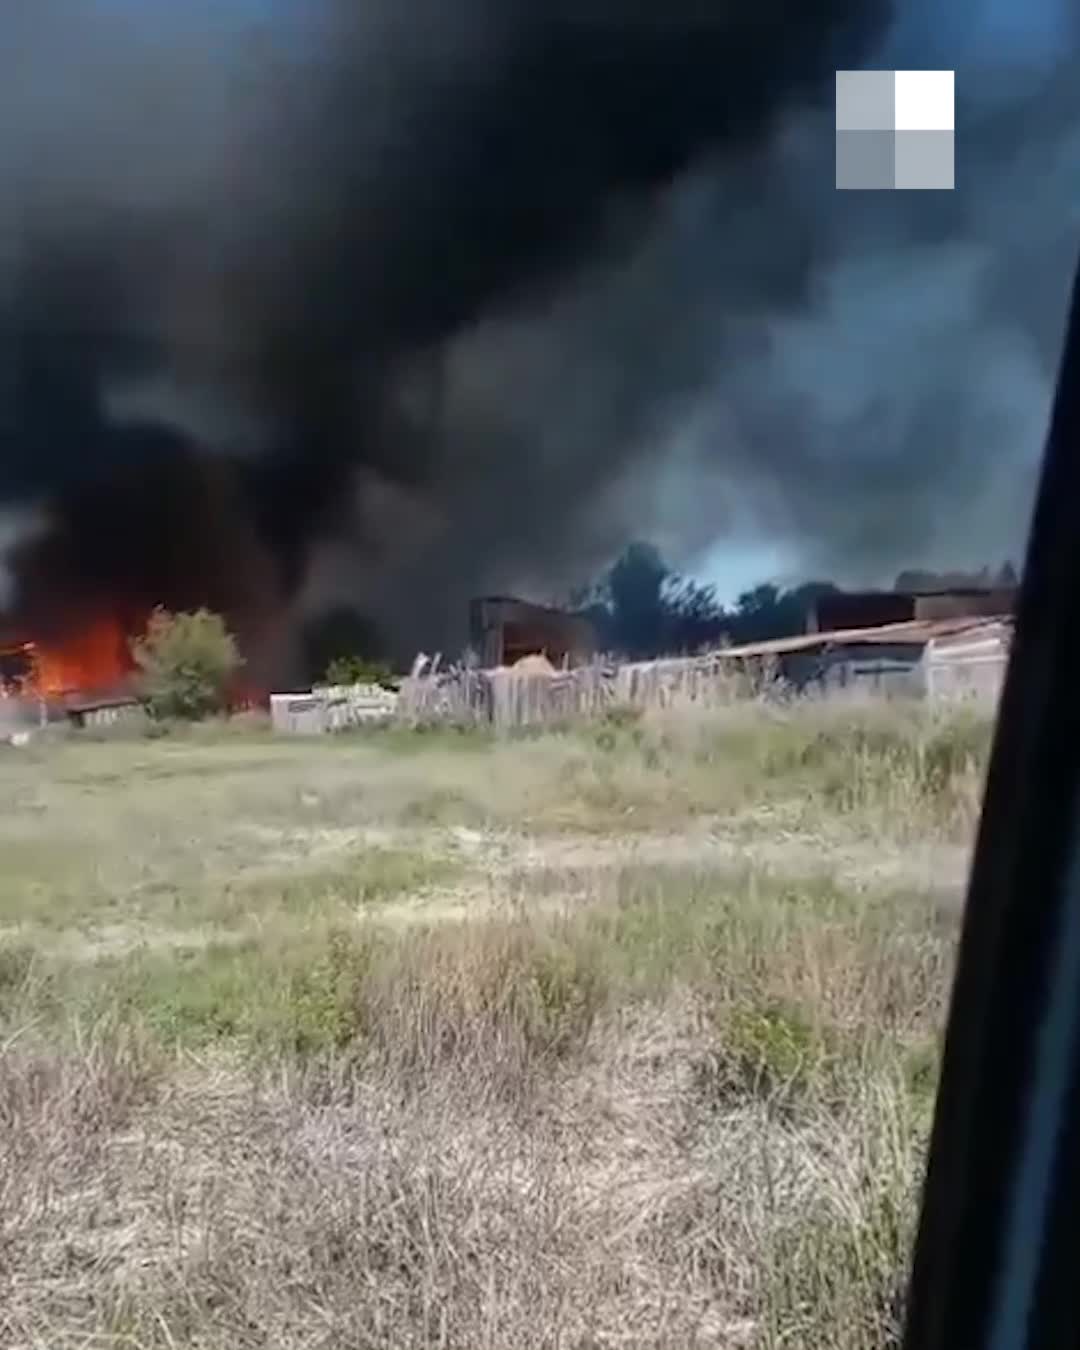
<point x="93" y="660"/>
<point x="96" y="657"/>
<point x="246" y="696"/>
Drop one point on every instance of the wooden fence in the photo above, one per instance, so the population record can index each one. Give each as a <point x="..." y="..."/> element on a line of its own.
<point x="508" y="698"/>
<point x="534" y="694"/>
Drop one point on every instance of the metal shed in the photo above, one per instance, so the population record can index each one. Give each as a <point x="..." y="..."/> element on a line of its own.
<point x="935" y="658"/>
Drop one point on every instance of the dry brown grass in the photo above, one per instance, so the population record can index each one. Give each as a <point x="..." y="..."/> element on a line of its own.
<point x="665" y="1082"/>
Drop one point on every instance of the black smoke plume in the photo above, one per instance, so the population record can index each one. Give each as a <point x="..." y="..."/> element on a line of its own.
<point x="227" y="250"/>
<point x="381" y="305"/>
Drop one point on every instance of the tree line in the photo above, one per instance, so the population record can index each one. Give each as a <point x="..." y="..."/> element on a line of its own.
<point x="640" y="607"/>
<point x="643" y="607"/>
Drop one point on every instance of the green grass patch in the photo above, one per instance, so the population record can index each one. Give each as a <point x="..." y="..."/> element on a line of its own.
<point x="443" y="806"/>
<point x="271" y="994"/>
<point x="895" y="766"/>
<point x="789" y="981"/>
<point x="48" y="881"/>
<point x="362" y="880"/>
<point x="399" y="740"/>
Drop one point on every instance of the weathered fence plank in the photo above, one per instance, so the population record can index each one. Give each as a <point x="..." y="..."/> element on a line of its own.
<point x="508" y="698"/>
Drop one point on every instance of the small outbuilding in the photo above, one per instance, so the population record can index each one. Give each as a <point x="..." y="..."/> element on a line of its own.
<point x="922" y="658"/>
<point x="503" y="630"/>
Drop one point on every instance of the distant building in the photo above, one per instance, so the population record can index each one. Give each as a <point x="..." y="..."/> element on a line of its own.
<point x="921" y="657"/>
<point x="841" y="611"/>
<point x="504" y="629"/>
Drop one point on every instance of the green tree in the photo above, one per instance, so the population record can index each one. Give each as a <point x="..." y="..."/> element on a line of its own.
<point x="344" y="639"/>
<point x="358" y="670"/>
<point x="635" y="586"/>
<point x="186" y="663"/>
<point x="768" y="611"/>
<point x="642" y="608"/>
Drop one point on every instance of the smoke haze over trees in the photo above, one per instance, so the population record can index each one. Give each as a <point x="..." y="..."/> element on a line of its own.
<point x="642" y="607"/>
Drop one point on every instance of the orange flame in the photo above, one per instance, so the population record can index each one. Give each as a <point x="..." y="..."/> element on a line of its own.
<point x="95" y="658"/>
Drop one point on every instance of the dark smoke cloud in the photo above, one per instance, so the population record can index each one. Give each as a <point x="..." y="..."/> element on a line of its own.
<point x="387" y="304"/>
<point x="895" y="410"/>
<point x="863" y="377"/>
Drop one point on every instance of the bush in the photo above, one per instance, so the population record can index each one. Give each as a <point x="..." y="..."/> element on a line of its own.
<point x="355" y="670"/>
<point x="186" y="663"/>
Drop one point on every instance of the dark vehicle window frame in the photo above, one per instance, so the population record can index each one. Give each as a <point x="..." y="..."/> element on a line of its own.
<point x="997" y="1260"/>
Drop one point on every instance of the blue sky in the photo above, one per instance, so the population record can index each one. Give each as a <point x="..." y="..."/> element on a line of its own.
<point x="732" y="570"/>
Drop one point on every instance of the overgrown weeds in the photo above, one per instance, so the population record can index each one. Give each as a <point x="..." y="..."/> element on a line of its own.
<point x="642" y="1100"/>
<point x="900" y="765"/>
<point x="592" y="1131"/>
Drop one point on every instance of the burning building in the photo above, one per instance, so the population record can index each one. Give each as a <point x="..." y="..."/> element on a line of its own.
<point x="96" y="661"/>
<point x="167" y="527"/>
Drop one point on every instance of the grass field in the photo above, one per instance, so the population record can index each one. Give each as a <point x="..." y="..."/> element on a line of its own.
<point x="617" y="1037"/>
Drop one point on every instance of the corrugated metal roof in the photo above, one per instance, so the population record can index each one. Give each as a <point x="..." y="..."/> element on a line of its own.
<point x="984" y="634"/>
<point x="916" y="632"/>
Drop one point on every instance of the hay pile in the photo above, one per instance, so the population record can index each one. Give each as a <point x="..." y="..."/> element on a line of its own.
<point x="534" y="664"/>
